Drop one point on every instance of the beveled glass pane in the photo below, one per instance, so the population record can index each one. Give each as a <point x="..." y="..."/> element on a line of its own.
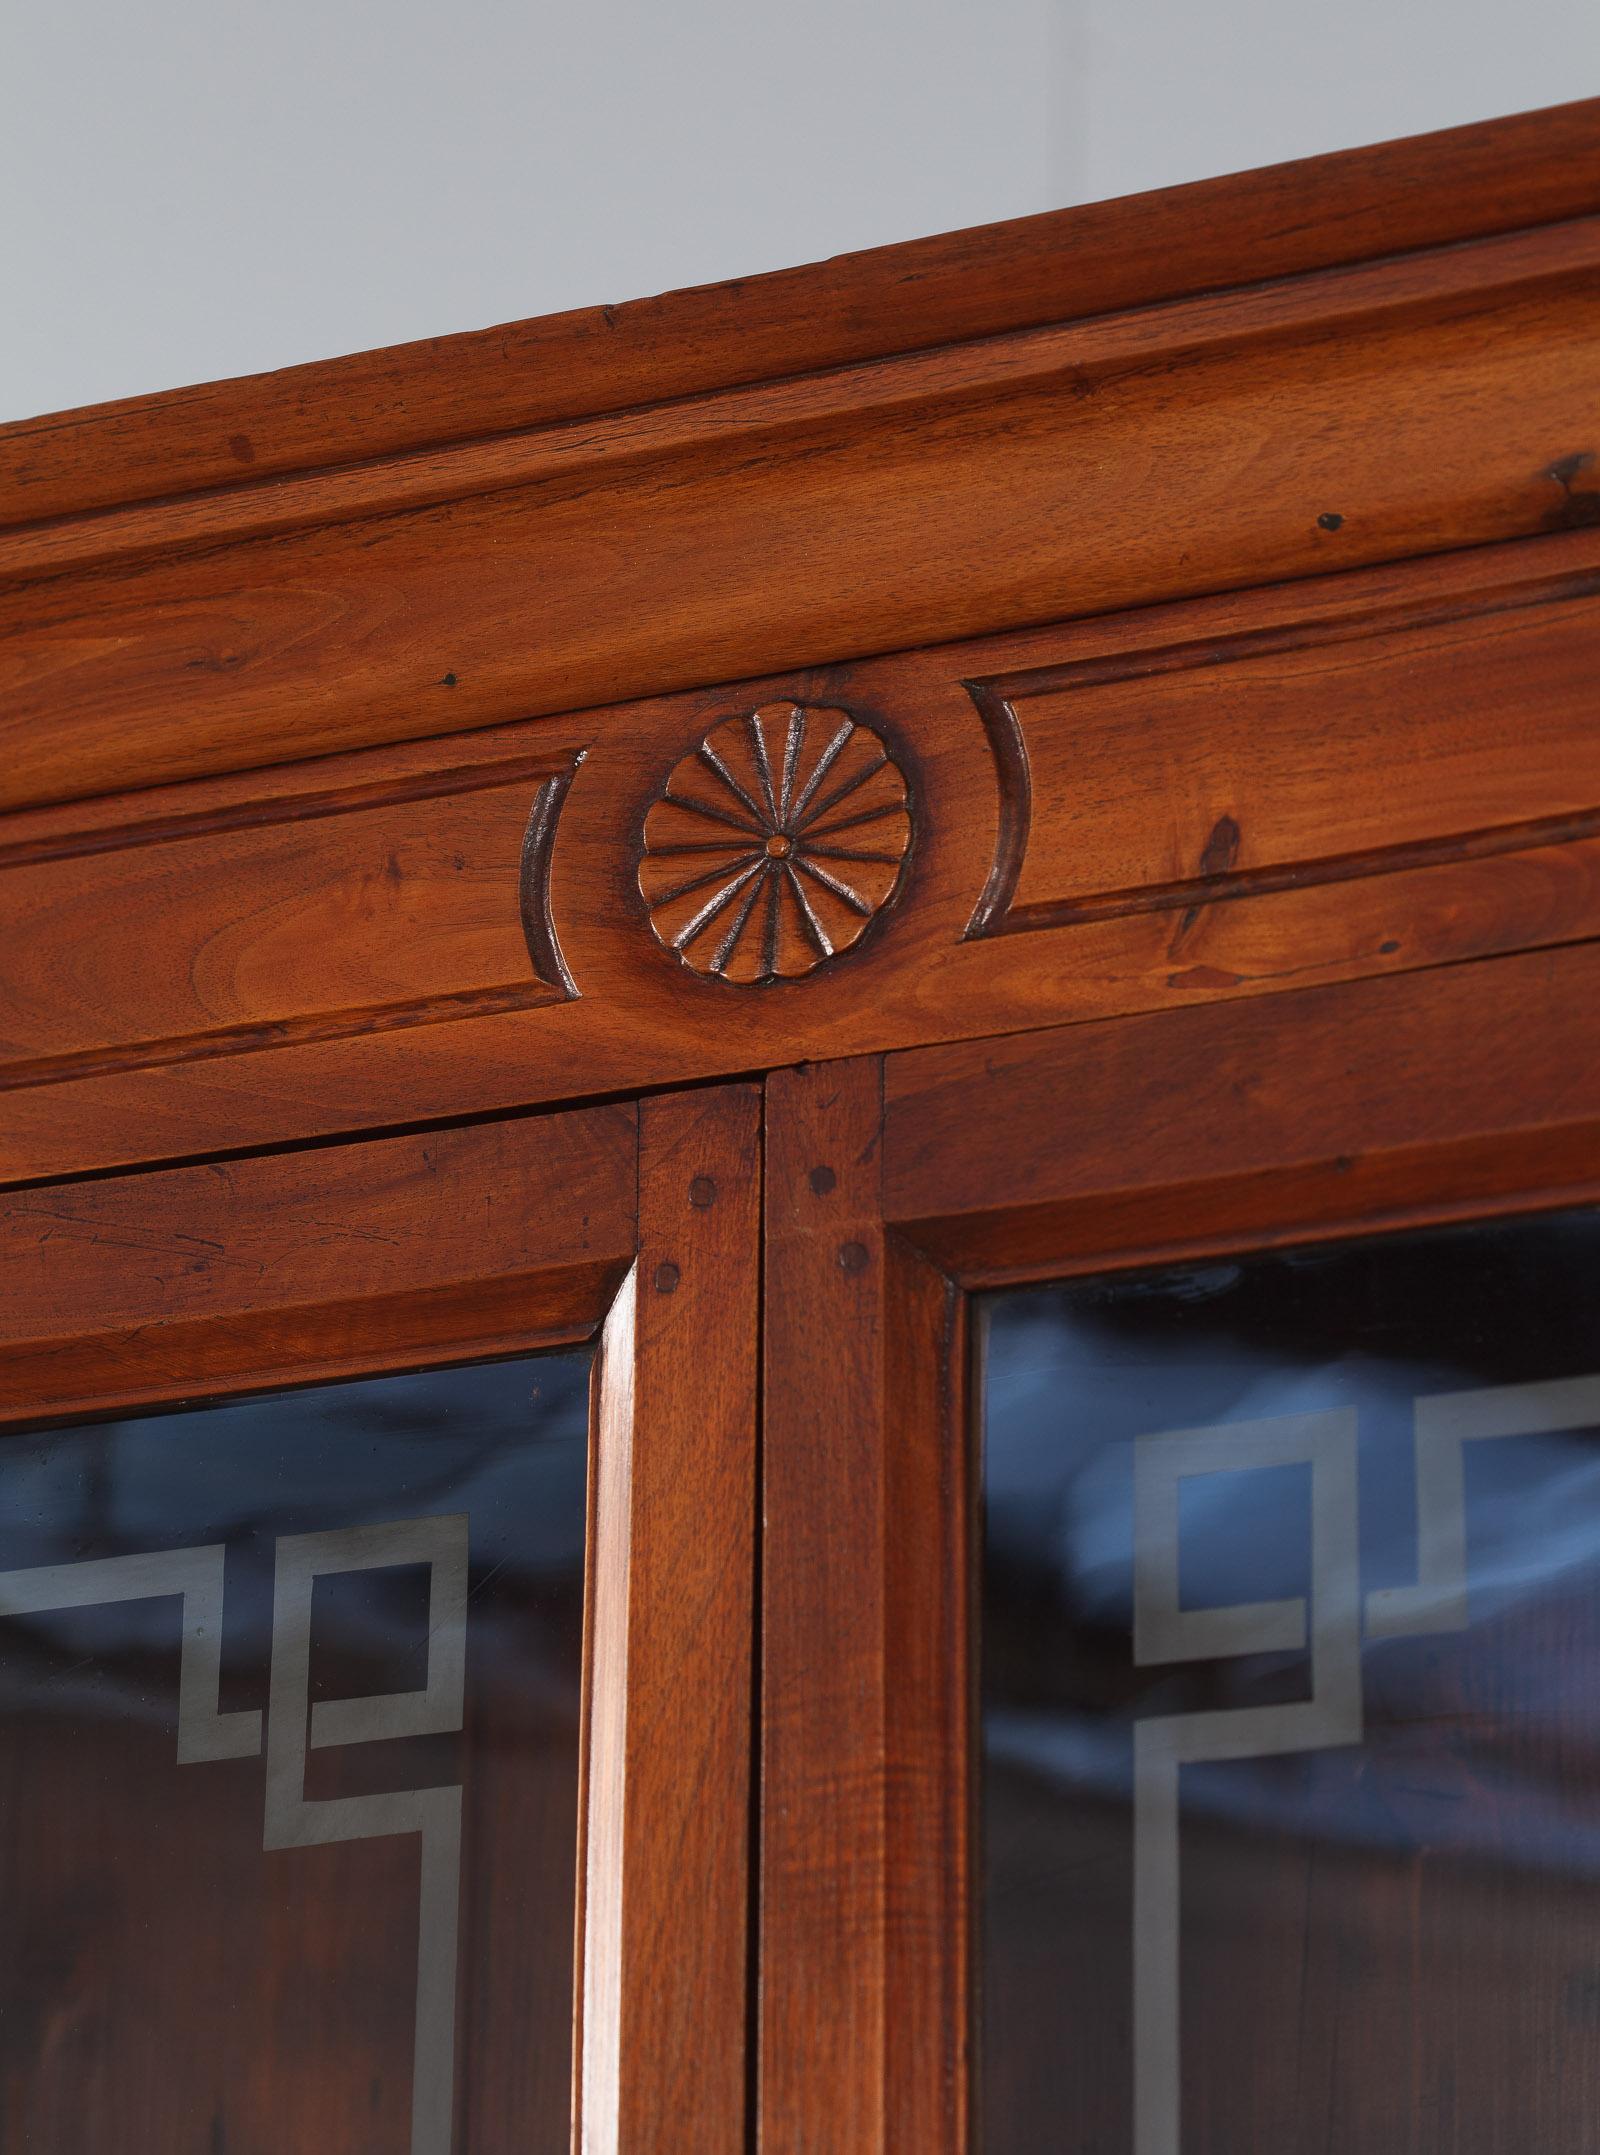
<point x="289" y="1701"/>
<point x="1291" y="1702"/>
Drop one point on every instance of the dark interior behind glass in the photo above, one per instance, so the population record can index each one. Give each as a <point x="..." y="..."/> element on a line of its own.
<point x="1291" y="1702"/>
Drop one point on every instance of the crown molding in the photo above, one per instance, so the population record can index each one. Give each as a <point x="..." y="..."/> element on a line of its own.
<point x="1329" y="365"/>
<point x="1313" y="213"/>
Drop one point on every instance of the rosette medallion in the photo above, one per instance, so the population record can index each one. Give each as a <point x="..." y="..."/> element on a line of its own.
<point x="775" y="843"/>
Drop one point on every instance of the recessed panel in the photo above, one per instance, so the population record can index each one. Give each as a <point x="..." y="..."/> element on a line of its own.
<point x="1303" y="752"/>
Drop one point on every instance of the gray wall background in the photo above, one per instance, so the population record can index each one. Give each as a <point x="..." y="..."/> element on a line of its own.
<point x="198" y="188"/>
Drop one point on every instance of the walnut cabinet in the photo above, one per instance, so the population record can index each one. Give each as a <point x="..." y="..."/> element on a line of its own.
<point x="800" y="1129"/>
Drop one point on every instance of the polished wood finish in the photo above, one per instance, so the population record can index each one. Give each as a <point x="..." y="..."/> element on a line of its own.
<point x="1376" y="771"/>
<point x="1381" y="1103"/>
<point x="1167" y="776"/>
<point x="384" y="898"/>
<point x="1220" y="573"/>
<point x="1462" y="1092"/>
<point x="1342" y="417"/>
<point x="864" y="1873"/>
<point x="300" y="1265"/>
<point x="662" y="2060"/>
<point x="1316" y="213"/>
<point x="475" y="1242"/>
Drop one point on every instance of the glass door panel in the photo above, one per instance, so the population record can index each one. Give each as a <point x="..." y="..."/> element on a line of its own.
<point x="289" y="1752"/>
<point x="1290" y="1702"/>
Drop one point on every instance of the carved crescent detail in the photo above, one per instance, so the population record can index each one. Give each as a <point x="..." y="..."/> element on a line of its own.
<point x="533" y="885"/>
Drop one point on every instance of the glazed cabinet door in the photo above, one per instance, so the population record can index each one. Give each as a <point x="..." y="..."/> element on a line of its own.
<point x="375" y="1554"/>
<point x="1181" y="1657"/>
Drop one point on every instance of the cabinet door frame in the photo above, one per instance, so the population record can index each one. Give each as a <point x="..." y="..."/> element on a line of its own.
<point x="898" y="1188"/>
<point x="634" y="1226"/>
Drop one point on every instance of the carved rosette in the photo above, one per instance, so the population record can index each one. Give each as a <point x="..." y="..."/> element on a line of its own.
<point x="775" y="843"/>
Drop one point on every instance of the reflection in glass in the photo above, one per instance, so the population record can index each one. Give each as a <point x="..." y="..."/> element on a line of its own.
<point x="289" y="1693"/>
<point x="1291" y="1703"/>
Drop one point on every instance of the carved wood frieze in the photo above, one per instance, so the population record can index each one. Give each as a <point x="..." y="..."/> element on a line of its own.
<point x="1366" y="773"/>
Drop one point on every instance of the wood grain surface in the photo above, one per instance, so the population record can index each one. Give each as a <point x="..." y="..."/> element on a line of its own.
<point x="1169" y="776"/>
<point x="1374" y="771"/>
<point x="1354" y="416"/>
<point x="1380" y="1102"/>
<point x="479" y="1241"/>
<point x="291" y="1266"/>
<point x="662" y="2045"/>
<point x="376" y="905"/>
<point x="1314" y="213"/>
<point x="1222" y="574"/>
<point x="864" y="1844"/>
<point x="897" y="1187"/>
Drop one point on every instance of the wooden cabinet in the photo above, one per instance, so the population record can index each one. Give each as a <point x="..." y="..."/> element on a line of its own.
<point x="617" y="936"/>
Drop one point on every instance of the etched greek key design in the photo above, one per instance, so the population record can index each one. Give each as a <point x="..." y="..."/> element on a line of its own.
<point x="291" y="1820"/>
<point x="1328" y="1621"/>
<point x="1163" y="1632"/>
<point x="1443" y="1424"/>
<point x="195" y="1575"/>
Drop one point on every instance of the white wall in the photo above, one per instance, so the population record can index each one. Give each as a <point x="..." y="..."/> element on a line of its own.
<point x="196" y="188"/>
